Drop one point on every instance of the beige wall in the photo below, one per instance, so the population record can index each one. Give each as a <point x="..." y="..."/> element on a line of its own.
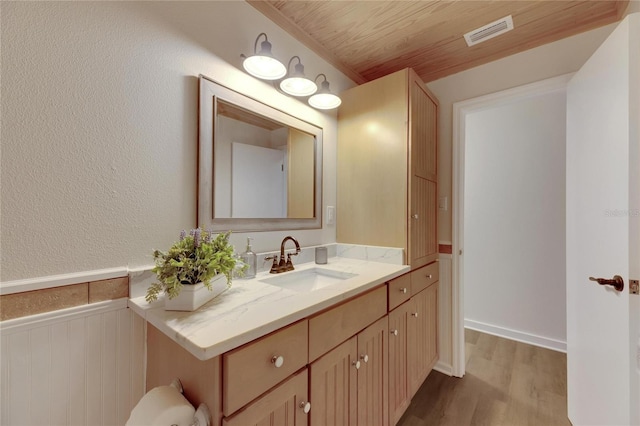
<point x="562" y="57"/>
<point x="634" y="6"/>
<point x="99" y="136"/>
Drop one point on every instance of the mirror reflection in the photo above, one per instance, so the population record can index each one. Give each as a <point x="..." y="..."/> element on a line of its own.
<point x="259" y="168"/>
<point x="262" y="168"/>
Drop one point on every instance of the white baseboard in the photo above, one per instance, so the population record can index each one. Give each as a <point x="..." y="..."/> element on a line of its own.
<point x="518" y="336"/>
<point x="444" y="368"/>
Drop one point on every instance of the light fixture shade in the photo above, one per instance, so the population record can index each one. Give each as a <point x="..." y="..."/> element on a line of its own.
<point x="297" y="84"/>
<point x="324" y="99"/>
<point x="263" y="65"/>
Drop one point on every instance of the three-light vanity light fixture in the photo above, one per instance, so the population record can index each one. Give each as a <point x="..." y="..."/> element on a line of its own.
<point x="263" y="65"/>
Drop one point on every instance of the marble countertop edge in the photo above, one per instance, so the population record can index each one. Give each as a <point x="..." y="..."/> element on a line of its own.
<point x="246" y="311"/>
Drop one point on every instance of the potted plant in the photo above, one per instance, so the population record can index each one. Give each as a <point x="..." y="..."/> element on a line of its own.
<point x="193" y="270"/>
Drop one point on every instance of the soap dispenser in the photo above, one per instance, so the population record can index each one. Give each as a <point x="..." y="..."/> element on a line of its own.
<point x="250" y="259"/>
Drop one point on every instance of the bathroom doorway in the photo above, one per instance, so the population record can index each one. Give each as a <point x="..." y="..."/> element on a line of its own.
<point x="509" y="217"/>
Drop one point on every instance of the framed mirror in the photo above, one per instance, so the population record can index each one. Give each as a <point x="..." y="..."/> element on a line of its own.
<point x="259" y="169"/>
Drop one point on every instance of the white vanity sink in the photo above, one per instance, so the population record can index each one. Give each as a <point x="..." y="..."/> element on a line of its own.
<point x="308" y="280"/>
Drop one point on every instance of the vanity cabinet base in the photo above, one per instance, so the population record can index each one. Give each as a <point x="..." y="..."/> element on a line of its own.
<point x="201" y="380"/>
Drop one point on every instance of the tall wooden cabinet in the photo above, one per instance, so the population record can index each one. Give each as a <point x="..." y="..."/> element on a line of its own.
<point x="387" y="166"/>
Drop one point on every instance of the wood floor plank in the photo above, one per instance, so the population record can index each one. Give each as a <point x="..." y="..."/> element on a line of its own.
<point x="506" y="383"/>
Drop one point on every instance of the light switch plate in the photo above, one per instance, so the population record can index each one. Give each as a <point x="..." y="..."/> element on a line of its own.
<point x="331" y="215"/>
<point x="443" y="203"/>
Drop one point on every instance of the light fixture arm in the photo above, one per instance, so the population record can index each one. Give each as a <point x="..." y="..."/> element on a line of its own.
<point x="255" y="45"/>
<point x="291" y="60"/>
<point x="315" y="80"/>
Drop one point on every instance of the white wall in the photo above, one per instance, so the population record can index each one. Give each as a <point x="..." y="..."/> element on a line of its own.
<point x="553" y="59"/>
<point x="514" y="219"/>
<point x="99" y="136"/>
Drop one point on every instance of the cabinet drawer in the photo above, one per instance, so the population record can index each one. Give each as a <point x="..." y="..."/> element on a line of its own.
<point x="399" y="291"/>
<point x="252" y="369"/>
<point x="328" y="329"/>
<point x="283" y="405"/>
<point x="424" y="277"/>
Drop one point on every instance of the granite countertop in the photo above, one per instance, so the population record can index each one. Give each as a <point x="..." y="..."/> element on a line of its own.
<point x="251" y="309"/>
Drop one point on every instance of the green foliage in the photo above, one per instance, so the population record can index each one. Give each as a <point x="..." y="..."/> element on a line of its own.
<point x="197" y="257"/>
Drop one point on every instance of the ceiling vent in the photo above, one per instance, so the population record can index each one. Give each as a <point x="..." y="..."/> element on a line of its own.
<point x="491" y="30"/>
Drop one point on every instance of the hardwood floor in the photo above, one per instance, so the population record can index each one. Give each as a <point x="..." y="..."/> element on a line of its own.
<point x="506" y="383"/>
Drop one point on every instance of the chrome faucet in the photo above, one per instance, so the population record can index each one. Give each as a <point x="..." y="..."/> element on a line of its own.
<point x="282" y="265"/>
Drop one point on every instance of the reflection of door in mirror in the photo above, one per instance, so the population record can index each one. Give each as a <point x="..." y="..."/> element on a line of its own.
<point x="244" y="150"/>
<point x="301" y="172"/>
<point x="257" y="181"/>
<point x="262" y="168"/>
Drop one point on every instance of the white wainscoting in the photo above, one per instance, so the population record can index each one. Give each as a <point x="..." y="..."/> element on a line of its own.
<point x="76" y="366"/>
<point x="445" y="348"/>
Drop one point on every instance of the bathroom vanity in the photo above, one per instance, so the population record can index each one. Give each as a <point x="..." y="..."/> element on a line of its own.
<point x="353" y="351"/>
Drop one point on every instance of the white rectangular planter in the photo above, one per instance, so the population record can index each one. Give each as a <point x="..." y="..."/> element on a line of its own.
<point x="191" y="297"/>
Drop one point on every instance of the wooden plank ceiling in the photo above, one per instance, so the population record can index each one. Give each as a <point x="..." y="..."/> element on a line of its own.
<point x="369" y="39"/>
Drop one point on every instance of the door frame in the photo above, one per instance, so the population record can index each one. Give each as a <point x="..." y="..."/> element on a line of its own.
<point x="460" y="111"/>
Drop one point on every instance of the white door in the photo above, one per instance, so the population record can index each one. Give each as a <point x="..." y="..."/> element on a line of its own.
<point x="603" y="231"/>
<point x="257" y="182"/>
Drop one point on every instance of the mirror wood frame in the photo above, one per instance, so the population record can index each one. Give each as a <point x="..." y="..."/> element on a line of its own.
<point x="210" y="91"/>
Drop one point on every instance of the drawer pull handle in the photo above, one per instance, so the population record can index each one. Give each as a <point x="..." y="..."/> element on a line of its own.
<point x="394" y="332"/>
<point x="415" y="216"/>
<point x="356" y="364"/>
<point x="403" y="290"/>
<point x="429" y="276"/>
<point x="306" y="407"/>
<point x="278" y="361"/>
<point x="415" y="314"/>
<point x="365" y="358"/>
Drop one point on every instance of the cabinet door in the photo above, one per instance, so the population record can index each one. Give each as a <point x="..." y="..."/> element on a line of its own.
<point x="334" y="386"/>
<point x="422" y="346"/>
<point x="284" y="405"/>
<point x="371" y="164"/>
<point x="373" y="374"/>
<point x="399" y="398"/>
<point x="423" y="240"/>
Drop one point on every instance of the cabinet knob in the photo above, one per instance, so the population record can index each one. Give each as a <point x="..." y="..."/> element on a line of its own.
<point x="429" y="276"/>
<point x="394" y="332"/>
<point x="414" y="314"/>
<point x="365" y="358"/>
<point x="306" y="406"/>
<point x="356" y="364"/>
<point x="415" y="216"/>
<point x="277" y="360"/>
<point x="403" y="290"/>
